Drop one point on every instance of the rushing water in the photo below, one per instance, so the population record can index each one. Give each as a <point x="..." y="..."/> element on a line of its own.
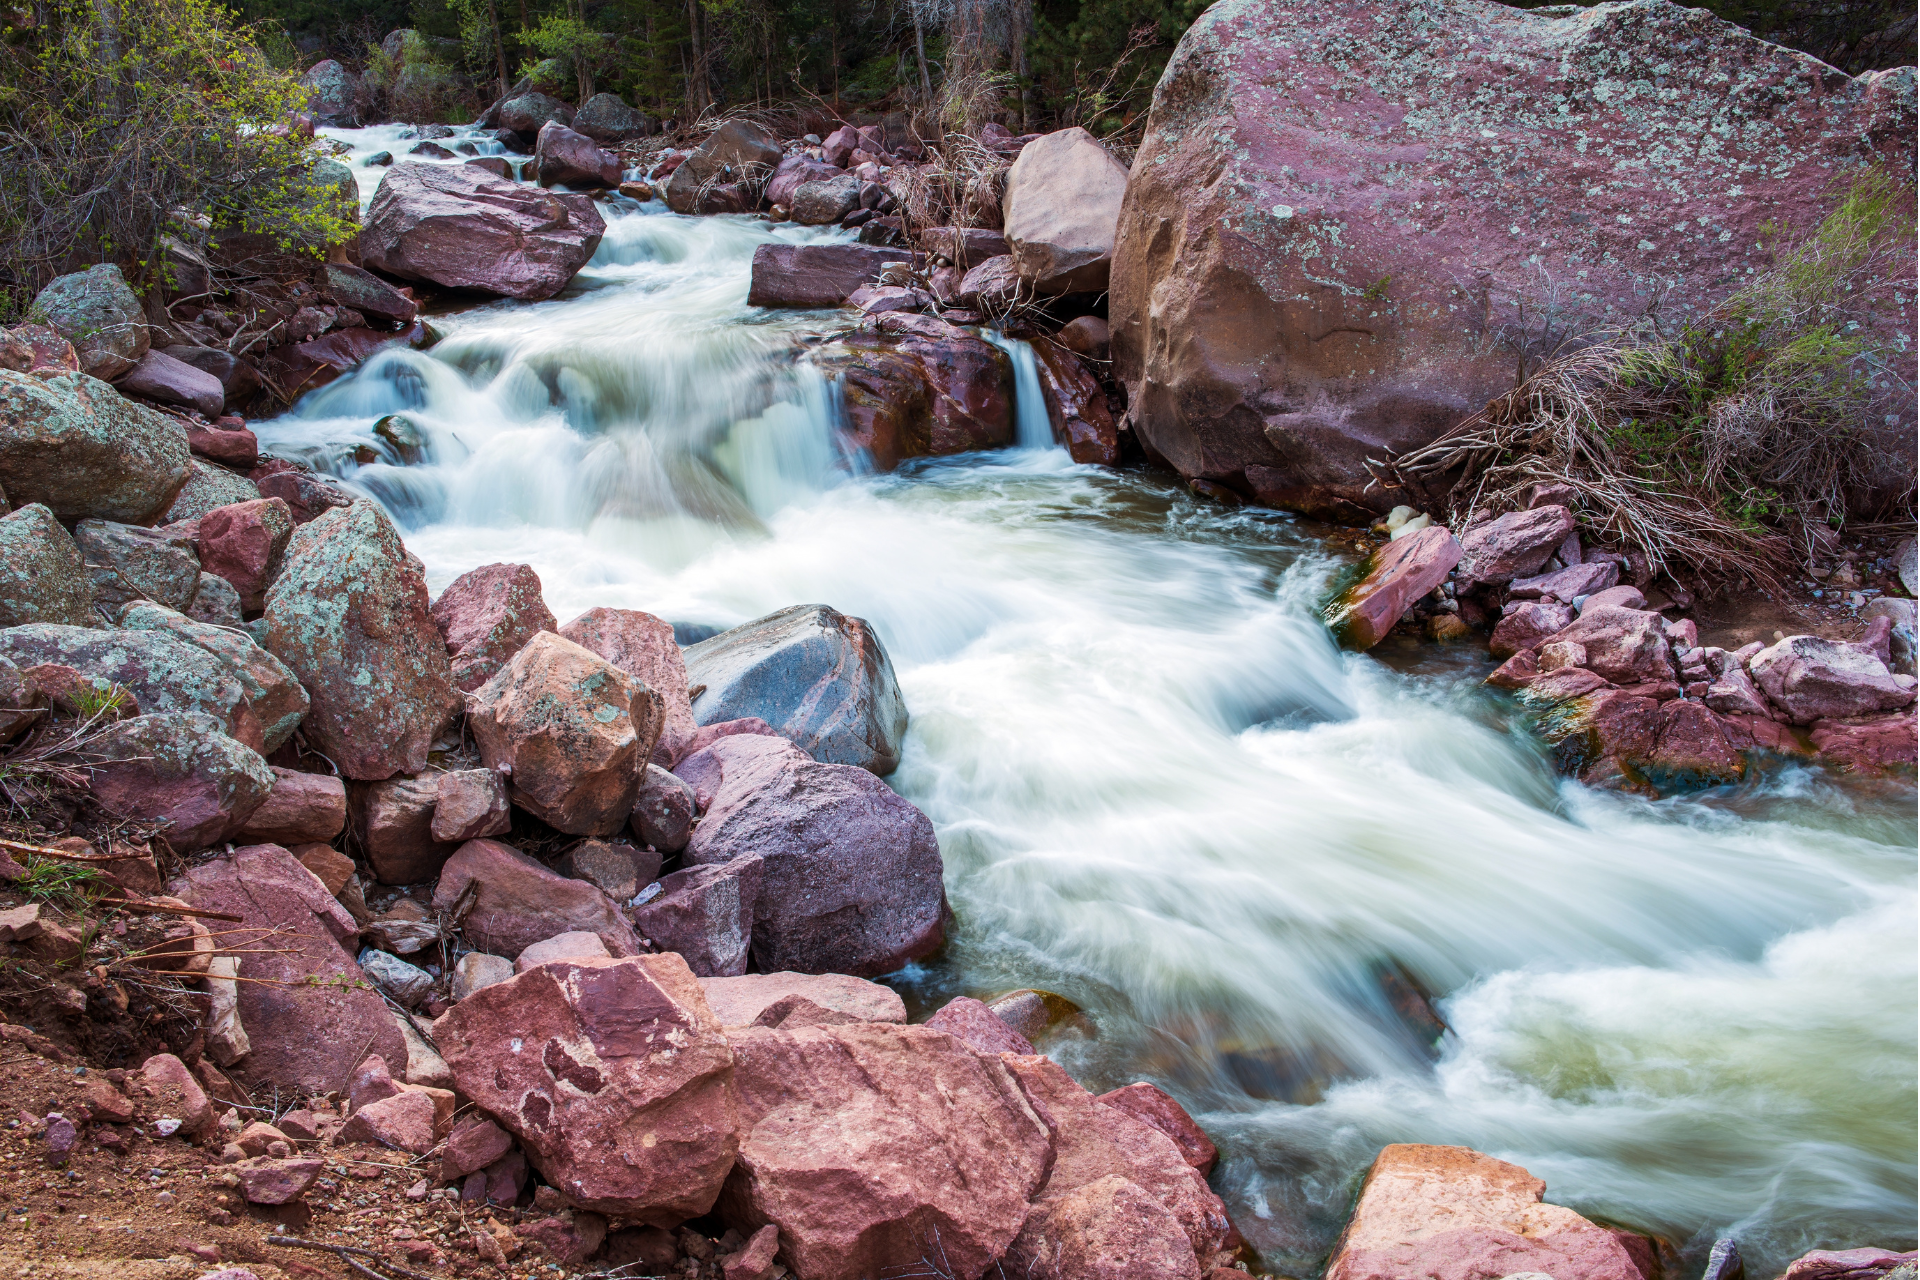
<point x="1162" y="792"/>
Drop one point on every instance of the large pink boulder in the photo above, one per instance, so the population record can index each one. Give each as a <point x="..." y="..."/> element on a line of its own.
<point x="1398" y="574"/>
<point x="570" y="730"/>
<point x="1848" y="1264"/>
<point x="245" y="543"/>
<point x="1154" y="1106"/>
<point x="613" y="1074"/>
<point x="486" y="616"/>
<point x="1450" y="1213"/>
<point x="1107" y="1229"/>
<point x="565" y="158"/>
<point x="1062" y="205"/>
<point x="643" y="646"/>
<point x="1867" y="744"/>
<point x="518" y="902"/>
<point x="874" y="1146"/>
<point x="1515" y="545"/>
<point x="1326" y="228"/>
<point x="311" y="1015"/>
<point x="978" y="1027"/>
<point x="348" y="614"/>
<point x="1096" y="1141"/>
<point x="1814" y="679"/>
<point x="852" y="876"/>
<point x="461" y="227"/>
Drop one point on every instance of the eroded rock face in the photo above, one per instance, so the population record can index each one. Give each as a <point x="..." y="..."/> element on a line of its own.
<point x="819" y="678"/>
<point x="852" y="875"/>
<point x="572" y="732"/>
<point x="865" y="1144"/>
<point x="459" y="226"/>
<point x="739" y="1002"/>
<point x="1310" y="268"/>
<point x="705" y="914"/>
<point x="1063" y="201"/>
<point x="1454" y="1214"/>
<point x="309" y="1034"/>
<point x="78" y="446"/>
<point x="42" y="575"/>
<point x="348" y="614"/>
<point x="1076" y="405"/>
<point x="614" y="1076"/>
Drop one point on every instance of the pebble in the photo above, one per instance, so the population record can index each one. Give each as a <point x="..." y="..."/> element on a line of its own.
<point x="166" y="1126"/>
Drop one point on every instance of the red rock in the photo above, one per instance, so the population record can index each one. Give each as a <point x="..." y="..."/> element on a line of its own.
<point x="160" y="377"/>
<point x="977" y="1027"/>
<point x="520" y="902"/>
<point x="1512" y="546"/>
<point x="615" y="1077"/>
<point x="1847" y="1264"/>
<point x="237" y="447"/>
<point x="965" y="247"/>
<point x="106" y="1103"/>
<point x="1564" y="685"/>
<point x="1398" y="574"/>
<point x="463" y="228"/>
<point x="753" y="1260"/>
<point x="1153" y="1106"/>
<point x="245" y="543"/>
<point x="181" y="769"/>
<point x="1244" y="337"/>
<point x="705" y="914"/>
<point x="709" y="734"/>
<point x="570" y="730"/>
<point x="488" y="615"/>
<point x="268" y="1181"/>
<point x="1621" y="597"/>
<point x="1062" y="205"/>
<point x="1693" y="749"/>
<point x="1453" y="1214"/>
<point x="396" y="828"/>
<point x="403" y="1122"/>
<point x="852" y="877"/>
<point x="1095" y="1142"/>
<point x="733" y="152"/>
<point x="371" y="1082"/>
<point x="1811" y="679"/>
<point x="470" y="804"/>
<point x="171" y="1090"/>
<point x="1076" y="405"/>
<point x="1517" y="672"/>
<point x="643" y="646"/>
<point x="1527" y="627"/>
<point x="739" y="1002"/>
<point x="916" y="386"/>
<point x="1627" y="646"/>
<point x="664" y="810"/>
<point x="865" y="1144"/>
<point x="471" y="1146"/>
<point x="569" y="1239"/>
<point x="617" y="870"/>
<point x="1868" y="744"/>
<point x="257" y="1137"/>
<point x="1733" y="692"/>
<point x="302" y="808"/>
<point x="794" y="171"/>
<point x="35" y="346"/>
<point x="815" y="275"/>
<point x="348" y="614"/>
<point x="369" y="294"/>
<point x="577" y="945"/>
<point x="311" y="1032"/>
<point x="1567" y="584"/>
<point x="307" y="496"/>
<point x="565" y="158"/>
<point x="1108" y="1229"/>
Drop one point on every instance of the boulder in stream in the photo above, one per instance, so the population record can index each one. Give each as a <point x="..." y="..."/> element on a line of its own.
<point x="815" y="275"/>
<point x="1397" y="575"/>
<point x="566" y="158"/>
<point x="463" y="228"/>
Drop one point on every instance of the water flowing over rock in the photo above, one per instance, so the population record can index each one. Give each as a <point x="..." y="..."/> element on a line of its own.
<point x="78" y="446"/>
<point x="614" y="1076"/>
<point x="916" y="386"/>
<point x="309" y="1018"/>
<point x="180" y="769"/>
<point x="518" y="902"/>
<point x="42" y="575"/>
<point x="99" y="314"/>
<point x="1338" y="214"/>
<point x="852" y="876"/>
<point x="874" y="1146"/>
<point x="819" y="678"/>
<point x="570" y="730"/>
<point x="1454" y="1214"/>
<point x="1063" y="201"/>
<point x="348" y="614"/>
<point x="460" y="227"/>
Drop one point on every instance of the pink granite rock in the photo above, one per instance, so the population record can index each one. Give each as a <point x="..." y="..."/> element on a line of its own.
<point x="486" y="616"/>
<point x="1397" y="576"/>
<point x="519" y="902"/>
<point x="1154" y="1106"/>
<point x="642" y="646"/>
<point x="977" y="1027"/>
<point x="1814" y="679"/>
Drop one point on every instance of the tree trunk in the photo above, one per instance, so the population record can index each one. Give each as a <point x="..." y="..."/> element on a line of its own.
<point x="697" y="77"/>
<point x="499" y="46"/>
<point x="920" y="52"/>
<point x="1020" y="24"/>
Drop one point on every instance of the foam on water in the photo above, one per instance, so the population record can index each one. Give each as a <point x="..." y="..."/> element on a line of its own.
<point x="1161" y="791"/>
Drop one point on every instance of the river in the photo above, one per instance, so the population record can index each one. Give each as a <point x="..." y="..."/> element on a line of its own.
<point x="1162" y="792"/>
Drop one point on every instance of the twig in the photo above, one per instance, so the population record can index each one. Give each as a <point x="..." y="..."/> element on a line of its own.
<point x="343" y="1252"/>
<point x="159" y="909"/>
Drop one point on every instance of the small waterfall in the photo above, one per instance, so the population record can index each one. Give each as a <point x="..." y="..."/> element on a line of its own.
<point x="1033" y="429"/>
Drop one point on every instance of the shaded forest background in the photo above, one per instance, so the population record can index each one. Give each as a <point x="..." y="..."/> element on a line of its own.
<point x="1030" y="64"/>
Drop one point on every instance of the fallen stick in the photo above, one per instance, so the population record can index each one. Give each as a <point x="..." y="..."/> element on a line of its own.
<point x="342" y="1251"/>
<point x="161" y="909"/>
